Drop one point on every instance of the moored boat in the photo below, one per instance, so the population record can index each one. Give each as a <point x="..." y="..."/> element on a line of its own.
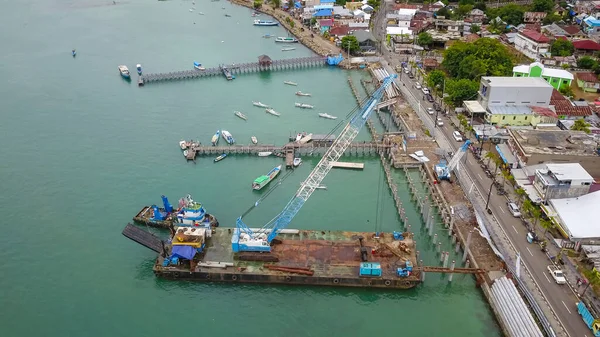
<point x="303" y="106"/>
<point x="265" y="23"/>
<point x="139" y="68"/>
<point x="254" y="140"/>
<point x="215" y="138"/>
<point x="328" y="116"/>
<point x="227" y="136"/>
<point x="297" y="162"/>
<point x="185" y="153"/>
<point x="300" y="93"/>
<point x="221" y="157"/>
<point x="290" y="83"/>
<point x="124" y="71"/>
<point x="264" y="180"/>
<point x="286" y="39"/>
<point x="260" y="105"/>
<point x="298" y="137"/>
<point x="240" y="115"/>
<point x="190" y="213"/>
<point x="74" y="52"/>
<point x="198" y="66"/>
<point x="268" y="36"/>
<point x="265" y="154"/>
<point x="288" y="49"/>
<point x="272" y="112"/>
<point x="184" y="144"/>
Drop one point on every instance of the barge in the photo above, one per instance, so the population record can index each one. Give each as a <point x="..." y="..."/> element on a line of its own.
<point x="299" y="257"/>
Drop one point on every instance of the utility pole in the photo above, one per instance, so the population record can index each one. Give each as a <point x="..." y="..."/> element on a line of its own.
<point x="489" y="195"/>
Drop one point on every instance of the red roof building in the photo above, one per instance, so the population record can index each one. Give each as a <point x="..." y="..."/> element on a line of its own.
<point x="588" y="77"/>
<point x="339" y="30"/>
<point x="535" y="36"/>
<point x="564" y="107"/>
<point x="583" y="47"/>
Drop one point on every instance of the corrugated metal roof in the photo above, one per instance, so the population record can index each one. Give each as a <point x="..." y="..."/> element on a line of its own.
<point x="509" y="110"/>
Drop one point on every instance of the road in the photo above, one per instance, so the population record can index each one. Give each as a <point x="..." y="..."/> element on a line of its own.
<point x="560" y="298"/>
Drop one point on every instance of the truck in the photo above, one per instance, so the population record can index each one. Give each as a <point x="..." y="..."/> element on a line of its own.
<point x="590" y="321"/>
<point x="557" y="274"/>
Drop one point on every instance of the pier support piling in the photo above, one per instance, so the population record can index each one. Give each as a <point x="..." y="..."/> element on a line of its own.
<point x="452" y="265"/>
<point x="422" y="271"/>
<point x="464" y="258"/>
<point x="446" y="256"/>
<point x="439" y="248"/>
<point x="434" y="239"/>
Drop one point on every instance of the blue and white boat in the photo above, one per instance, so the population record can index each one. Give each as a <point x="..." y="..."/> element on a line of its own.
<point x="265" y="23"/>
<point x="215" y="138"/>
<point x="139" y="68"/>
<point x="228" y="137"/>
<point x="221" y="157"/>
<point x="74" y="52"/>
<point x="198" y="66"/>
<point x="124" y="71"/>
<point x="191" y="213"/>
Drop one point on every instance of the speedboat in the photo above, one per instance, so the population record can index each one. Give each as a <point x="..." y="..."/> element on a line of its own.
<point x="264" y="154"/>
<point x="240" y="115"/>
<point x="286" y="39"/>
<point x="227" y="136"/>
<point x="185" y="153"/>
<point x="227" y="15"/>
<point x="297" y="162"/>
<point x="287" y="49"/>
<point x="300" y="93"/>
<point x="221" y="157"/>
<point x="215" y="138"/>
<point x="200" y="13"/>
<point x="265" y="23"/>
<point x="255" y="14"/>
<point x="272" y="112"/>
<point x="254" y="140"/>
<point x="124" y="72"/>
<point x="267" y="36"/>
<point x="303" y="106"/>
<point x="74" y="52"/>
<point x="183" y="144"/>
<point x="298" y="137"/>
<point x="198" y="66"/>
<point x="290" y="83"/>
<point x="139" y="68"/>
<point x="328" y="116"/>
<point x="260" y="105"/>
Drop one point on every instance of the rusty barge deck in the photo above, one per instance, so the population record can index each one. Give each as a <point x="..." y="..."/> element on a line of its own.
<point x="322" y="258"/>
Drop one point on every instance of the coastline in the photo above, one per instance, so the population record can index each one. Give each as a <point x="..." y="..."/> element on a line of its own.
<point x="317" y="43"/>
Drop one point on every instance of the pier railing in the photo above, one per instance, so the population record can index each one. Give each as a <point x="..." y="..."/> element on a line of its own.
<point x="357" y="148"/>
<point x="236" y="69"/>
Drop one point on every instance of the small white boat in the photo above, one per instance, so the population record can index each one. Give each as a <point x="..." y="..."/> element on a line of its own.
<point x="215" y="138"/>
<point x="272" y="112"/>
<point x="328" y="116"/>
<point x="286" y="39"/>
<point x="240" y="115"/>
<point x="265" y="23"/>
<point x="264" y="154"/>
<point x="228" y="137"/>
<point x="185" y="153"/>
<point x="268" y="36"/>
<point x="303" y="106"/>
<point x="298" y="137"/>
<point x="260" y="105"/>
<point x="124" y="71"/>
<point x="183" y="144"/>
<point x="300" y="93"/>
<point x="254" y="140"/>
<point x="288" y="49"/>
<point x="139" y="68"/>
<point x="200" y="13"/>
<point x="290" y="83"/>
<point x="198" y="66"/>
<point x="191" y="10"/>
<point x="297" y="162"/>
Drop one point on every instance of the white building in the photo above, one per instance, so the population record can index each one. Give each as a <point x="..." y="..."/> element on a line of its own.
<point x="532" y="43"/>
<point x="559" y="181"/>
<point x="514" y="91"/>
<point x="576" y="218"/>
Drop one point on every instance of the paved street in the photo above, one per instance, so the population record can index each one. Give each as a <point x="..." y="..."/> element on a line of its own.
<point x="559" y="298"/>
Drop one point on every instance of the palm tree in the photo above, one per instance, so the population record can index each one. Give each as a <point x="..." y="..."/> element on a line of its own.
<point x="581" y="125"/>
<point x="520" y="192"/>
<point x="594" y="278"/>
<point x="526" y="208"/>
<point x="546" y="225"/>
<point x="536" y="215"/>
<point x="490" y="156"/>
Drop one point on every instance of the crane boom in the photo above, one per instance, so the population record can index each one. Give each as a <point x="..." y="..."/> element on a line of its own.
<point x="244" y="239"/>
<point x="443" y="170"/>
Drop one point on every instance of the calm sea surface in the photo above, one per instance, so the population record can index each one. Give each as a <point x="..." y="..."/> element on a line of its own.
<point x="82" y="150"/>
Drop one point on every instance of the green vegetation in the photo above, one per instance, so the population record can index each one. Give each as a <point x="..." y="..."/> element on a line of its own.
<point x="512" y="14"/>
<point x="313" y="22"/>
<point x="258" y="4"/>
<point x="484" y="57"/>
<point x="566" y="90"/>
<point x="340" y="2"/>
<point x="542" y="5"/>
<point x="581" y="125"/>
<point x="424" y="39"/>
<point x="276" y="3"/>
<point x="374" y="3"/>
<point x="436" y="78"/>
<point x="520" y="192"/>
<point x="475" y="29"/>
<point x="562" y="48"/>
<point x="460" y="90"/>
<point x="586" y="62"/>
<point x="350" y="43"/>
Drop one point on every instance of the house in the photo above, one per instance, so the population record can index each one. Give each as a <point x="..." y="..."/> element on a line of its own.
<point x="559" y="181"/>
<point x="574" y="218"/>
<point x="449" y="25"/>
<point x="354" y="5"/>
<point x="591" y="26"/>
<point x="471" y="38"/>
<point x="532" y="44"/>
<point x="588" y="82"/>
<point x="405" y="16"/>
<point x="554" y="30"/>
<point x="430" y="64"/>
<point x="340" y="11"/>
<point x="325" y="25"/>
<point x="573" y="31"/>
<point x="534" y="17"/>
<point x="586" y="47"/>
<point x="475" y="16"/>
<point x="559" y="61"/>
<point x="556" y="77"/>
<point x="400" y="32"/>
<point x="323" y="13"/>
<point x="565" y="109"/>
<point x="366" y="40"/>
<point x="532" y="147"/>
<point x="339" y="31"/>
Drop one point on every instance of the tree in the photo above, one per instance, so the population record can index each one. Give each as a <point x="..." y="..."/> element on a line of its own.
<point x="257" y="4"/>
<point x="374" y="4"/>
<point x="276" y="3"/>
<point x="350" y="43"/>
<point x="512" y="13"/>
<point x="542" y="5"/>
<point x="484" y="57"/>
<point x="435" y="78"/>
<point x="481" y="5"/>
<point x="460" y="90"/>
<point x="475" y="29"/>
<point x="546" y="225"/>
<point x="586" y="62"/>
<point x="562" y="48"/>
<point x="445" y="12"/>
<point x="490" y="156"/>
<point x="536" y="215"/>
<point x="313" y="22"/>
<point x="340" y="2"/>
<point x="424" y="39"/>
<point x="463" y="10"/>
<point x="551" y="18"/>
<point x="520" y="192"/>
<point x="581" y="125"/>
<point x="526" y="208"/>
<point x="566" y="90"/>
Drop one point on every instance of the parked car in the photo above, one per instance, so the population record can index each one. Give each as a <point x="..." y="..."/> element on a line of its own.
<point x="410" y="75"/>
<point x="418" y="85"/>
<point x="430" y="111"/>
<point x="425" y="91"/>
<point x="457" y="136"/>
<point x="514" y="209"/>
<point x="439" y="122"/>
<point x="429" y="98"/>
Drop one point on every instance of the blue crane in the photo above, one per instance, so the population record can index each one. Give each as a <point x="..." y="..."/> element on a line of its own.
<point x="246" y="240"/>
<point x="443" y="169"/>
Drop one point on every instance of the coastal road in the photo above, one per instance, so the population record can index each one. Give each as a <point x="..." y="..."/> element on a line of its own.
<point x="560" y="297"/>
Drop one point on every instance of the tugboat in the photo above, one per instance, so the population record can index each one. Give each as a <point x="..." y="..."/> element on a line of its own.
<point x="139" y="69"/>
<point x="190" y="213"/>
<point x="124" y="71"/>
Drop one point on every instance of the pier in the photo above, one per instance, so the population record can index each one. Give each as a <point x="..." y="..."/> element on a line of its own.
<point x="236" y="69"/>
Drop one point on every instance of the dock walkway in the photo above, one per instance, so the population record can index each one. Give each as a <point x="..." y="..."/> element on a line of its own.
<point x="235" y="69"/>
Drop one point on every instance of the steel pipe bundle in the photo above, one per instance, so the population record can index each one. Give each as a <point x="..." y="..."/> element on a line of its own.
<point x="512" y="310"/>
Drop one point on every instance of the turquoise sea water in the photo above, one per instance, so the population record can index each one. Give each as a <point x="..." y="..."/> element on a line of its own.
<point x="82" y="150"/>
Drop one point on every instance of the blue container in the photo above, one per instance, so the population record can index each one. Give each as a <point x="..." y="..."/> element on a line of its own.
<point x="165" y="262"/>
<point x="409" y="266"/>
<point x="370" y="269"/>
<point x="398" y="236"/>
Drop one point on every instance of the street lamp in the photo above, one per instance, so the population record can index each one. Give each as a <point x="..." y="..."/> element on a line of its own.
<point x="489" y="196"/>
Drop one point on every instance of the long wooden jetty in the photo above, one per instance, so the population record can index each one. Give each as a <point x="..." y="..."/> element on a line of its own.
<point x="235" y="69"/>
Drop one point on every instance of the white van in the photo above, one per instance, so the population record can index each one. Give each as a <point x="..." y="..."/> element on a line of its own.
<point x="514" y="209"/>
<point x="457" y="136"/>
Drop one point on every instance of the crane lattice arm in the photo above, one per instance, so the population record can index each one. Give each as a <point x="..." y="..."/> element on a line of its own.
<point x="456" y="159"/>
<point x="244" y="239"/>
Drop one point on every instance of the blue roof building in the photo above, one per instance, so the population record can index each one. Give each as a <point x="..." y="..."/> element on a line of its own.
<point x="324" y="13"/>
<point x="327" y="1"/>
<point x="591" y="26"/>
